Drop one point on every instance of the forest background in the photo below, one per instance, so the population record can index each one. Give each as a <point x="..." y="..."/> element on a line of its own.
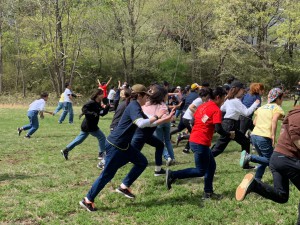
<point x="44" y="43"/>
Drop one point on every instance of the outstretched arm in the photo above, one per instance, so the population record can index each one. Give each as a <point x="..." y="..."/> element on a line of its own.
<point x="108" y="81"/>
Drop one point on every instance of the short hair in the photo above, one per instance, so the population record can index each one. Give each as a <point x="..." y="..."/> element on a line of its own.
<point x="96" y="93"/>
<point x="44" y="95"/>
<point x="218" y="91"/>
<point x="67" y="84"/>
<point x="256" y="87"/>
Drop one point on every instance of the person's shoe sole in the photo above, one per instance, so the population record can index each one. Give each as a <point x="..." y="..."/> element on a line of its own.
<point x="241" y="190"/>
<point x="242" y="159"/>
<point x="84" y="206"/>
<point x="167" y="179"/>
<point x="120" y="192"/>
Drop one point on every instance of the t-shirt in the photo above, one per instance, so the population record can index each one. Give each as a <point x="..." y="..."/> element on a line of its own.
<point x="188" y="113"/>
<point x="121" y="136"/>
<point x="62" y="98"/>
<point x="264" y="116"/>
<point x="206" y="116"/>
<point x="189" y="99"/>
<point x="104" y="88"/>
<point x="111" y="94"/>
<point x="67" y="94"/>
<point x="37" y="105"/>
<point x="248" y="99"/>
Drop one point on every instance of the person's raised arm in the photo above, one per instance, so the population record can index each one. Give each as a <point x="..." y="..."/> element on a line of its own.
<point x="108" y="81"/>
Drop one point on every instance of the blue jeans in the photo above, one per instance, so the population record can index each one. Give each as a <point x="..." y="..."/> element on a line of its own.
<point x="162" y="132"/>
<point x="68" y="108"/>
<point x="83" y="135"/>
<point x="145" y="136"/>
<point x="178" y="112"/>
<point x="115" y="159"/>
<point x="205" y="166"/>
<point x="59" y="107"/>
<point x="34" y="122"/>
<point x="264" y="148"/>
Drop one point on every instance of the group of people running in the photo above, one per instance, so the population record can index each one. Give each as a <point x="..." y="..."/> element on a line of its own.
<point x="144" y="116"/>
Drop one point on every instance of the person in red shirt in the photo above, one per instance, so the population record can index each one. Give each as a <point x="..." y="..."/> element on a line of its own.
<point x="103" y="86"/>
<point x="207" y="119"/>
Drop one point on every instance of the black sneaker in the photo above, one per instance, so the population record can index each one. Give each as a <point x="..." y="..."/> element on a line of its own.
<point x="159" y="173"/>
<point x="20" y="130"/>
<point x="88" y="206"/>
<point x="213" y="196"/>
<point x="169" y="179"/>
<point x="101" y="155"/>
<point x="179" y="138"/>
<point x="126" y="192"/>
<point x="65" y="153"/>
<point x="27" y="136"/>
<point x="248" y="167"/>
<point x="186" y="151"/>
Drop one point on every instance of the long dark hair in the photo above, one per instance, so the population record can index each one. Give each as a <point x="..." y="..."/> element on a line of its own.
<point x="96" y="93"/>
<point x="232" y="92"/>
<point x="158" y="95"/>
<point x="218" y="91"/>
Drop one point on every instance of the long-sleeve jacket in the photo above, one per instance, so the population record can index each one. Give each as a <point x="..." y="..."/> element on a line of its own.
<point x="92" y="110"/>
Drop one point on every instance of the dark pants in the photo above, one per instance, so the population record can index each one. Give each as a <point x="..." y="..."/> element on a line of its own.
<point x="115" y="159"/>
<point x="179" y="128"/>
<point x="116" y="104"/>
<point x="231" y="125"/>
<point x="284" y="169"/>
<point x="187" y="124"/>
<point x="145" y="136"/>
<point x="246" y="123"/>
<point x="205" y="166"/>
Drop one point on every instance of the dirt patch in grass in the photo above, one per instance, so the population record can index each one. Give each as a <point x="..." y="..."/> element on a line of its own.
<point x="13" y="106"/>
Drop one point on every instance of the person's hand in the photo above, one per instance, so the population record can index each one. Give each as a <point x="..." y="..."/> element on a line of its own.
<point x="232" y="134"/>
<point x="161" y="113"/>
<point x="257" y="101"/>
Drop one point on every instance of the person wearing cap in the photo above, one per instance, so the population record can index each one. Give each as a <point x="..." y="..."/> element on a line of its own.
<point x="119" y="150"/>
<point x="233" y="108"/>
<point x="264" y="133"/>
<point x="68" y="107"/>
<point x="284" y="165"/>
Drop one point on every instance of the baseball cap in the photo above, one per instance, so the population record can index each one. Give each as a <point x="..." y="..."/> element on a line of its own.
<point x="274" y="94"/>
<point x="237" y="84"/>
<point x="178" y="87"/>
<point x="139" y="88"/>
<point x="194" y="86"/>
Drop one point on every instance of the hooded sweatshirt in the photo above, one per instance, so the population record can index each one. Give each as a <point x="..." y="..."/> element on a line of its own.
<point x="290" y="132"/>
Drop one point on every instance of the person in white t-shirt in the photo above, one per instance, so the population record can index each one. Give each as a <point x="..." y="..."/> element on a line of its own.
<point x="111" y="95"/>
<point x="35" y="108"/>
<point x="68" y="107"/>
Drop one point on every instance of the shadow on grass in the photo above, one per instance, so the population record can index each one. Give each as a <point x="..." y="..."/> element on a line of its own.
<point x="7" y="177"/>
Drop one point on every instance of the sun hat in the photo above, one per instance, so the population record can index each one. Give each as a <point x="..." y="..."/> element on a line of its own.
<point x="194" y="86"/>
<point x="274" y="94"/>
<point x="139" y="88"/>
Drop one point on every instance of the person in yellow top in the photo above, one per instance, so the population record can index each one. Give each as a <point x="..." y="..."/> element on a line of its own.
<point x="264" y="132"/>
<point x="60" y="104"/>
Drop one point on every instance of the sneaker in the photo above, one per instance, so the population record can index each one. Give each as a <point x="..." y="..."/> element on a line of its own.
<point x="126" y="192"/>
<point x="65" y="153"/>
<point x="248" y="133"/>
<point x="208" y="196"/>
<point x="159" y="173"/>
<point x="101" y="155"/>
<point x="245" y="159"/>
<point x="245" y="187"/>
<point x="186" y="151"/>
<point x="169" y="162"/>
<point x="101" y="165"/>
<point x="248" y="167"/>
<point x="27" y="136"/>
<point x="88" y="206"/>
<point x="169" y="179"/>
<point x="179" y="138"/>
<point x="19" y="130"/>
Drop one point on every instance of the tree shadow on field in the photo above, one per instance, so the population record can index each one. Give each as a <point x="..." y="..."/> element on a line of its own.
<point x="8" y="177"/>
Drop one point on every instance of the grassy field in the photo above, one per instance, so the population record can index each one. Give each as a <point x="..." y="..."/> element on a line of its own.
<point x="37" y="186"/>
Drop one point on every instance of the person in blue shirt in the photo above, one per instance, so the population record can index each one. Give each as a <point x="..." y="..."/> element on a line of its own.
<point x="255" y="92"/>
<point x="119" y="150"/>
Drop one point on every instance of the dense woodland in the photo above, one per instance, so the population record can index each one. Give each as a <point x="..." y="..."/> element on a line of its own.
<point x="44" y="43"/>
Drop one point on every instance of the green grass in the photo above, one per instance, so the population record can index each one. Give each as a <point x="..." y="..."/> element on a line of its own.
<point x="37" y="186"/>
